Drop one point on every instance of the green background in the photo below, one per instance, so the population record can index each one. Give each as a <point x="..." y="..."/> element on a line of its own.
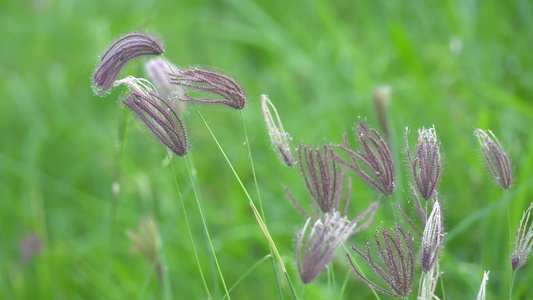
<point x="459" y="65"/>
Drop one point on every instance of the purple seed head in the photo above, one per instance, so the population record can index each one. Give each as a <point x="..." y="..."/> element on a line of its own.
<point x="221" y="88"/>
<point x="426" y="164"/>
<point x="497" y="160"/>
<point x="373" y="163"/>
<point x="161" y="119"/>
<point x="119" y="53"/>
<point x="398" y="268"/>
<point x="157" y="70"/>
<point x="523" y="241"/>
<point x="322" y="241"/>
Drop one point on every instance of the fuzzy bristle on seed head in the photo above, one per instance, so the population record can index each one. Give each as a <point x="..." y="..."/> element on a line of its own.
<point x="396" y="252"/>
<point x="523" y="241"/>
<point x="375" y="155"/>
<point x="323" y="239"/>
<point x="432" y="238"/>
<point x="161" y="119"/>
<point x="119" y="53"/>
<point x="278" y="137"/>
<point x="157" y="70"/>
<point x="426" y="164"/>
<point x="220" y="88"/>
<point x="496" y="158"/>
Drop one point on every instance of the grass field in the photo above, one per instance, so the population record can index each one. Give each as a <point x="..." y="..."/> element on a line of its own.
<point x="458" y="65"/>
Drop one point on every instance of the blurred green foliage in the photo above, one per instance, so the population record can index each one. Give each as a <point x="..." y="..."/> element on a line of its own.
<point x="459" y="65"/>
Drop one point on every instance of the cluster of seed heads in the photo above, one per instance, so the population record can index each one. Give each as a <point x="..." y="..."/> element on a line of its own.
<point x="158" y="105"/>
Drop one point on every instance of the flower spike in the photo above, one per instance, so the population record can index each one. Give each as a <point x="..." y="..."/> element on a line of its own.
<point x="375" y="154"/>
<point x="323" y="240"/>
<point x="396" y="253"/>
<point x="498" y="161"/>
<point x="211" y="82"/>
<point x="524" y="241"/>
<point x="157" y="70"/>
<point x="161" y="119"/>
<point x="426" y="165"/>
<point x="278" y="137"/>
<point x="119" y="54"/>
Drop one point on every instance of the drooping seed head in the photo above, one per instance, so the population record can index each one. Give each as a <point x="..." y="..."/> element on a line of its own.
<point x="426" y="165"/>
<point x="496" y="158"/>
<point x="278" y="137"/>
<point x="157" y="70"/>
<point x="375" y="155"/>
<point x="523" y="241"/>
<point x="397" y="271"/>
<point x="322" y="241"/>
<point x="222" y="88"/>
<point x="119" y="53"/>
<point x="161" y="119"/>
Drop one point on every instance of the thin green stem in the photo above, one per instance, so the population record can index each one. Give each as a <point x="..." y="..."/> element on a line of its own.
<point x="512" y="283"/>
<point x="442" y="288"/>
<point x="212" y="265"/>
<point x="249" y="271"/>
<point x="162" y="270"/>
<point x="188" y="230"/>
<point x="259" y="195"/>
<point x="332" y="281"/>
<point x="260" y="220"/>
<point x="115" y="188"/>
<point x="291" y="286"/>
<point x="278" y="283"/>
<point x="205" y="228"/>
<point x="252" y="166"/>
<point x="344" y="283"/>
<point x="303" y="291"/>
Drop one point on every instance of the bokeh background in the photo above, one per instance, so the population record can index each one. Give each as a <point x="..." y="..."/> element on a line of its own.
<point x="458" y="65"/>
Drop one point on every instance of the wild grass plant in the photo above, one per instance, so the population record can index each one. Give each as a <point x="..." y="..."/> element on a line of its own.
<point x="78" y="171"/>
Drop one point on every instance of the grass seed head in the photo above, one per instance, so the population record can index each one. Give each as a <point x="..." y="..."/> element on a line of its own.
<point x="278" y="137"/>
<point x="523" y="242"/>
<point x="161" y="119"/>
<point x="432" y="238"/>
<point x="222" y="88"/>
<point x="426" y="164"/>
<point x="375" y="155"/>
<point x="157" y="70"/>
<point x="397" y="271"/>
<point x="119" y="53"/>
<point x="496" y="158"/>
<point x="322" y="241"/>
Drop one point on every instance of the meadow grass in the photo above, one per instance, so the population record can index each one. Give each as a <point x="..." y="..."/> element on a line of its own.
<point x="459" y="65"/>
